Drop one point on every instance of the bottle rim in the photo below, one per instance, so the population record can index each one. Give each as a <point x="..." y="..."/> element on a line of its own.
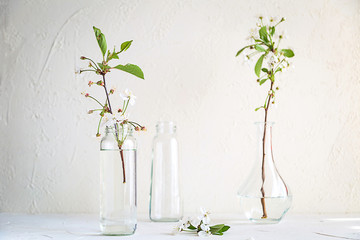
<point x="165" y="125"/>
<point x="127" y="126"/>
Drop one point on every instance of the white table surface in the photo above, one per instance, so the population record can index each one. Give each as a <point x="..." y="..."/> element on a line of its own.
<point x="304" y="227"/>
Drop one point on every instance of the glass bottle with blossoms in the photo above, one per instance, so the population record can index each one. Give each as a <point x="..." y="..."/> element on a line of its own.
<point x="118" y="146"/>
<point x="265" y="197"/>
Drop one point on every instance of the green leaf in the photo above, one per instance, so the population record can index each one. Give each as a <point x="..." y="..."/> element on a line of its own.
<point x="101" y="66"/>
<point x="263" y="34"/>
<point x="125" y="45"/>
<point x="272" y="31"/>
<point x="191" y="227"/>
<point x="260" y="48"/>
<point x="97" y="31"/>
<point x="217" y="227"/>
<point x="258" y="65"/>
<point x="265" y="70"/>
<point x="132" y="69"/>
<point x="240" y="51"/>
<point x="100" y="37"/>
<point x="114" y="56"/>
<point x="258" y="108"/>
<point x="263" y="81"/>
<point x="225" y="228"/>
<point x="288" y="53"/>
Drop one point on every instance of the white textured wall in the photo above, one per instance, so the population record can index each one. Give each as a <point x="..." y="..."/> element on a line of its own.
<point x="49" y="159"/>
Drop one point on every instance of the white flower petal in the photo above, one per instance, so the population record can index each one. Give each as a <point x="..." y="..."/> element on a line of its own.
<point x="195" y="222"/>
<point x="206" y="219"/>
<point x="205" y="227"/>
<point x="203" y="210"/>
<point x="204" y="234"/>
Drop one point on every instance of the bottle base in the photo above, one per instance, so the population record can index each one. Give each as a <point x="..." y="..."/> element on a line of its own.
<point x="276" y="208"/>
<point x="117" y="230"/>
<point x="265" y="220"/>
<point x="165" y="219"/>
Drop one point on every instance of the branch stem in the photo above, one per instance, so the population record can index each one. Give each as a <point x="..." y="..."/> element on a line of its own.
<point x="264" y="154"/>
<point x="116" y="131"/>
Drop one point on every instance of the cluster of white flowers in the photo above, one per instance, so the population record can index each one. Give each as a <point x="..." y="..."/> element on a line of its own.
<point x="204" y="223"/>
<point x="201" y="224"/>
<point x="119" y="117"/>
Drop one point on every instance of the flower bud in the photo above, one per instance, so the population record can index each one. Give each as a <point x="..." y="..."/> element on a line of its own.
<point x="112" y="91"/>
<point x="277" y="88"/>
<point x="82" y="58"/>
<point x="87" y="95"/>
<point x="90" y="83"/>
<point x="98" y="135"/>
<point x="137" y="129"/>
<point x="119" y="110"/>
<point x="100" y="83"/>
<point x="143" y="128"/>
<point x="102" y="114"/>
<point x="90" y="111"/>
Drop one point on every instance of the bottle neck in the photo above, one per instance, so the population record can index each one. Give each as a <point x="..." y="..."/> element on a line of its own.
<point x="264" y="138"/>
<point x="125" y="129"/>
<point x="165" y="128"/>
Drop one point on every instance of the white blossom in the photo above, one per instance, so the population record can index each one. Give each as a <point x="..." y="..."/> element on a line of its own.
<point x="205" y="227"/>
<point x="273" y="19"/>
<point x="182" y="224"/>
<point x="205" y="230"/>
<point x="128" y="95"/>
<point x="204" y="216"/>
<point x="254" y="33"/>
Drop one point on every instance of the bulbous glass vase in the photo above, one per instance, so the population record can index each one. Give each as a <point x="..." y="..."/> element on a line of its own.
<point x="264" y="196"/>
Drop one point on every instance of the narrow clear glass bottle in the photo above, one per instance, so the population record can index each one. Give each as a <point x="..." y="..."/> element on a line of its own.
<point x="118" y="191"/>
<point x="165" y="199"/>
<point x="264" y="196"/>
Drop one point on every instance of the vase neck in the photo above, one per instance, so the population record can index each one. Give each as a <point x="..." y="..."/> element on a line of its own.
<point x="125" y="129"/>
<point x="164" y="127"/>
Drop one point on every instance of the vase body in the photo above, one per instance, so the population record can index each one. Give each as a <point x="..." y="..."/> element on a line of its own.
<point x="264" y="196"/>
<point x="118" y="194"/>
<point x="165" y="200"/>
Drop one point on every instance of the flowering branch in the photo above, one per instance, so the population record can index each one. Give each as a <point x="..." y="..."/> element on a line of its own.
<point x="201" y="226"/>
<point x="118" y="121"/>
<point x="264" y="43"/>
